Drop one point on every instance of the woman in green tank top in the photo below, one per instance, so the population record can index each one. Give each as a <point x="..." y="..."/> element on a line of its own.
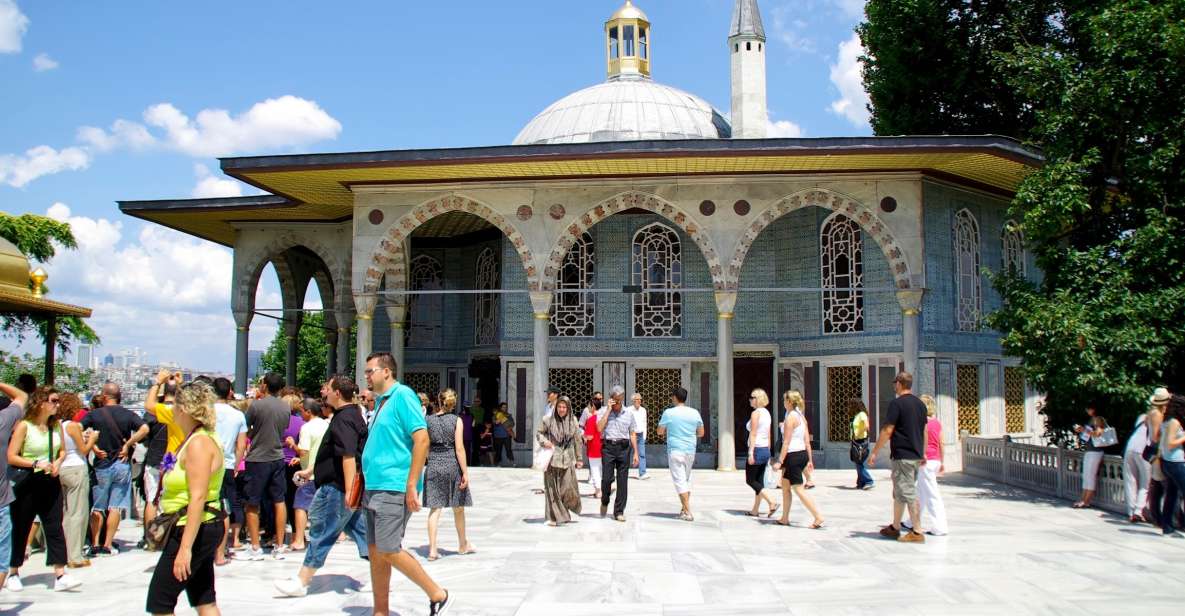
<point x="36" y="449"/>
<point x="191" y="486"/>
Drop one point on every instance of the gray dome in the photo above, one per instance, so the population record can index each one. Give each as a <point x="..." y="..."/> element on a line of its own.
<point x="625" y="110"/>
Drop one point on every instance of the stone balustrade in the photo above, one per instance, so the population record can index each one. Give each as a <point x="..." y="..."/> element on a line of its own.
<point x="1047" y="470"/>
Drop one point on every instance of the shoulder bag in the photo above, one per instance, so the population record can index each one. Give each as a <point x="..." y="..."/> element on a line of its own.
<point x="158" y="531"/>
<point x="1107" y="439"/>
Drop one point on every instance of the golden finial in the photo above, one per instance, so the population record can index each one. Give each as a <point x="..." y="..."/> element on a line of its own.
<point x="38" y="276"/>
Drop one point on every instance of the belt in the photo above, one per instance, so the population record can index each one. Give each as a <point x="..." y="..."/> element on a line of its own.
<point x="617" y="441"/>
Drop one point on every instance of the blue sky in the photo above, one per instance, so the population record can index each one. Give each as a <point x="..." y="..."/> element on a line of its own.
<point x="112" y="101"/>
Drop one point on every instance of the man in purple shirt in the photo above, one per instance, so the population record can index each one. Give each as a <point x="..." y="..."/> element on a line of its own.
<point x="291" y="466"/>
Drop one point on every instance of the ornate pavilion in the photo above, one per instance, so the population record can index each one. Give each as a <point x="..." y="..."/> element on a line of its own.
<point x="634" y="235"/>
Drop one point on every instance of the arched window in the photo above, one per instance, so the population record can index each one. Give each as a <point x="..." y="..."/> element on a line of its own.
<point x="657" y="267"/>
<point x="969" y="291"/>
<point x="1014" y="248"/>
<point x="425" y="311"/>
<point x="485" y="316"/>
<point x="573" y="315"/>
<point x="842" y="258"/>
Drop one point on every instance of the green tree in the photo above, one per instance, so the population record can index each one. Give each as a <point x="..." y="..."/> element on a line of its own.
<point x="1104" y="214"/>
<point x="38" y="238"/>
<point x="66" y="377"/>
<point x="312" y="352"/>
<point x="930" y="65"/>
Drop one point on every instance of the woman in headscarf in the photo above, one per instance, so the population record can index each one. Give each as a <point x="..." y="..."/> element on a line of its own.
<point x="561" y="433"/>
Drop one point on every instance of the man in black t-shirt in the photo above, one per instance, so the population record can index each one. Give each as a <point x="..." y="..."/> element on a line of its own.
<point x="119" y="430"/>
<point x="338" y="462"/>
<point x="905" y="432"/>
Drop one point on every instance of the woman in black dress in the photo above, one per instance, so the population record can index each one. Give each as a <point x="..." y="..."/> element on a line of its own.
<point x="446" y="478"/>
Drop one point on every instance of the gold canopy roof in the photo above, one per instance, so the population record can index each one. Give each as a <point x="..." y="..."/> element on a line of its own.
<point x="318" y="187"/>
<point x="15" y="295"/>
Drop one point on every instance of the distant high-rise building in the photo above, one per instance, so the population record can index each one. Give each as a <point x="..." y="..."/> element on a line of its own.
<point x="84" y="356"/>
<point x="254" y="364"/>
<point x="109" y="360"/>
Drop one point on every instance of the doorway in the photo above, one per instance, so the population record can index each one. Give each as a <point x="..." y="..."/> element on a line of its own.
<point x="749" y="373"/>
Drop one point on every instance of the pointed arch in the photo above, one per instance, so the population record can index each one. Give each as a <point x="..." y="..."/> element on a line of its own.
<point x="656" y="265"/>
<point x="250" y="261"/>
<point x="968" y="284"/>
<point x="861" y="214"/>
<point x="625" y="201"/>
<point x="388" y="256"/>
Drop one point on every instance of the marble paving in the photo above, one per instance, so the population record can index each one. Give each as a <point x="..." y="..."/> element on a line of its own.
<point x="1009" y="552"/>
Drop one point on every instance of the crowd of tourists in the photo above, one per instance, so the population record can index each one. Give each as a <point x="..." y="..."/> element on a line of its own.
<point x="1153" y="462"/>
<point x="281" y="471"/>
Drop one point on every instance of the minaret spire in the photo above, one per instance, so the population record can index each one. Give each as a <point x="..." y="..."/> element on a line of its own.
<point x="746" y="44"/>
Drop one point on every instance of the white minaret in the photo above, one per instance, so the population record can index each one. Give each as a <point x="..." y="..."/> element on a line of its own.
<point x="746" y="43"/>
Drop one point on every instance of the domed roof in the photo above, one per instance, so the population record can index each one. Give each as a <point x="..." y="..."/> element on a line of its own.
<point x="629" y="11"/>
<point x="14" y="267"/>
<point x="625" y="110"/>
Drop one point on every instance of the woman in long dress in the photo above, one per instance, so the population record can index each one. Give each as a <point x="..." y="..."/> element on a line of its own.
<point x="446" y="478"/>
<point x="561" y="433"/>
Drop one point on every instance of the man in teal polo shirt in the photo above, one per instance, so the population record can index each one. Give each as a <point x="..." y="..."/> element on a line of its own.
<point x="392" y="461"/>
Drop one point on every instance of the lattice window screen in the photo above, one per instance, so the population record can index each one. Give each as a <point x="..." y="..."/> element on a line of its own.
<point x="967" y="278"/>
<point x="423" y="382"/>
<point x="573" y="315"/>
<point x="967" y="396"/>
<point x="425" y="312"/>
<point x="1014" y="248"/>
<point x="843" y="384"/>
<point x="842" y="268"/>
<point x="1014" y="400"/>
<point x="576" y="383"/>
<point x="655" y="385"/>
<point x="486" y="306"/>
<point x="657" y="266"/>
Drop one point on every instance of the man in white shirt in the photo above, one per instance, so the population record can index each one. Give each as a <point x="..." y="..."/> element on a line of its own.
<point x="639" y="412"/>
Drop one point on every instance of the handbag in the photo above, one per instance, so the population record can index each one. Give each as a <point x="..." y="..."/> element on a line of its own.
<point x="354" y="496"/>
<point x="543" y="459"/>
<point x="1107" y="439"/>
<point x="158" y="531"/>
<point x="858" y="452"/>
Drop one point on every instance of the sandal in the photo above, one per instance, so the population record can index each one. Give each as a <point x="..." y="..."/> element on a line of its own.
<point x="471" y="550"/>
<point x="781" y="523"/>
<point x="817" y="525"/>
<point x="433" y="557"/>
<point x="772" y="512"/>
<point x="752" y="515"/>
<point x="1080" y="505"/>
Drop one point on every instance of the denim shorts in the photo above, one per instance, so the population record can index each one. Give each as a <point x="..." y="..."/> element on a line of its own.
<point x="114" y="487"/>
<point x="5" y="538"/>
<point x="304" y="496"/>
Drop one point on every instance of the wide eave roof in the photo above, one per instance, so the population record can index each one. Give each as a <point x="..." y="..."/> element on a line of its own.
<point x="318" y="187"/>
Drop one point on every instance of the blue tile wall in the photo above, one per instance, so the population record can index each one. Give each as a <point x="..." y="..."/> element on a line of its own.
<point x="939" y="325"/>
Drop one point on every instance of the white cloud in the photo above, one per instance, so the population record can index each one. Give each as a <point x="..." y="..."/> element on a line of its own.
<point x="853" y="101"/>
<point x="210" y="186"/>
<point x="42" y="62"/>
<point x="792" y="29"/>
<point x="16" y="170"/>
<point x="782" y="129"/>
<point x="275" y="123"/>
<point x="13" y="25"/>
<point x="851" y="8"/>
<point x="122" y="134"/>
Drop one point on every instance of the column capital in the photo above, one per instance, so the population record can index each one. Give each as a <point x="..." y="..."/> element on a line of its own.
<point x="726" y="303"/>
<point x="911" y="301"/>
<point x="364" y="304"/>
<point x="541" y="303"/>
<point x="242" y="318"/>
<point x="396" y="314"/>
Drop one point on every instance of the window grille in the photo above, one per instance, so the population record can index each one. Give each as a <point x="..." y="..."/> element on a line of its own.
<point x="657" y="267"/>
<point x="843" y="384"/>
<point x="573" y="315"/>
<point x="425" y="311"/>
<point x="967" y="279"/>
<point x="967" y="396"/>
<point x="1014" y="249"/>
<point x="841" y="243"/>
<point x="486" y="307"/>
<point x="1014" y="400"/>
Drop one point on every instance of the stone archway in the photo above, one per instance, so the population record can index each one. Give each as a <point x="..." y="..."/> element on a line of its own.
<point x="389" y="258"/>
<point x="622" y="202"/>
<point x="250" y="262"/>
<point x="836" y="202"/>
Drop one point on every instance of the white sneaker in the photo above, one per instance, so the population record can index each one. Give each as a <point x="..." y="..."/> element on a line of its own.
<point x="253" y="553"/>
<point x="65" y="583"/>
<point x="292" y="587"/>
<point x="13" y="584"/>
<point x="279" y="551"/>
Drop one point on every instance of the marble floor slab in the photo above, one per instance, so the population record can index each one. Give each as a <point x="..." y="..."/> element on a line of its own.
<point x="1009" y="552"/>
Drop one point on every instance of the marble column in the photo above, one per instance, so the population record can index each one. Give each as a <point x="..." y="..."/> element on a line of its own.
<point x="292" y="323"/>
<point x="911" y="311"/>
<point x="331" y="352"/>
<point x="343" y="344"/>
<point x="396" y="315"/>
<point x="541" y="306"/>
<point x="364" y="305"/>
<point x="726" y="446"/>
<point x="242" y="340"/>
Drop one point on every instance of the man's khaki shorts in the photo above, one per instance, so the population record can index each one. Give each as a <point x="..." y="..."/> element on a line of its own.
<point x="905" y="481"/>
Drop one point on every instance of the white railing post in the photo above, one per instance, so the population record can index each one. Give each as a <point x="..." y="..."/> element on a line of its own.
<point x="1061" y="467"/>
<point x="1005" y="470"/>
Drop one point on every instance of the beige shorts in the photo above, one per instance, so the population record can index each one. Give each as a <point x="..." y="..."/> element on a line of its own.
<point x="905" y="481"/>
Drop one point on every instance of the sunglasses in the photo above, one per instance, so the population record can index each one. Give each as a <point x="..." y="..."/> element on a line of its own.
<point x="54" y="401"/>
